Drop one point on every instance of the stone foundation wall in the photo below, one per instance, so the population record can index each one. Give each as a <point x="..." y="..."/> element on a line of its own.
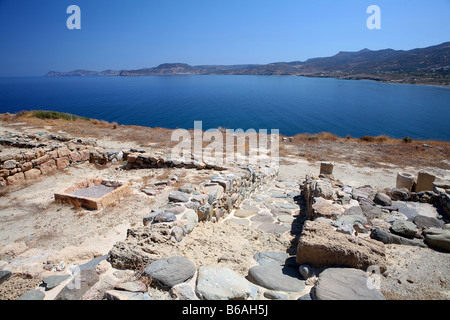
<point x="147" y="160"/>
<point x="30" y="164"/>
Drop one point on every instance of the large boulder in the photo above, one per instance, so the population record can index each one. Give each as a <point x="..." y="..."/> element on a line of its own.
<point x="404" y="228"/>
<point x="389" y="238"/>
<point x="266" y="258"/>
<point x="221" y="284"/>
<point x="277" y="278"/>
<point x="424" y="222"/>
<point x="166" y="273"/>
<point x="323" y="189"/>
<point x="320" y="246"/>
<point x="345" y="284"/>
<point x="382" y="199"/>
<point x="141" y="247"/>
<point x="438" y="238"/>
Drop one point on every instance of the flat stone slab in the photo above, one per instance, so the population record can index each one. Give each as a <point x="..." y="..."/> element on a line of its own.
<point x="286" y="219"/>
<point x="244" y="213"/>
<point x="125" y="295"/>
<point x="263" y="217"/>
<point x="345" y="284"/>
<point x="272" y="228"/>
<point x="221" y="284"/>
<point x="54" y="281"/>
<point x="93" y="192"/>
<point x="277" y="278"/>
<point x="79" y="285"/>
<point x="133" y="286"/>
<point x="93" y="263"/>
<point x="428" y="222"/>
<point x="32" y="295"/>
<point x="413" y="209"/>
<point x="270" y="258"/>
<point x="177" y="196"/>
<point x="166" y="273"/>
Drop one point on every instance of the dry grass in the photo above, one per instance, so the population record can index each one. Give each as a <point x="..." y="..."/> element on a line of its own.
<point x="359" y="151"/>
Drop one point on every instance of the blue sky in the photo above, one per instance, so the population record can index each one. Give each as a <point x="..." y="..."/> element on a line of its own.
<point x="120" y="34"/>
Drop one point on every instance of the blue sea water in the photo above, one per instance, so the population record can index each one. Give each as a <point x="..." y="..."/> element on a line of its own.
<point x="291" y="104"/>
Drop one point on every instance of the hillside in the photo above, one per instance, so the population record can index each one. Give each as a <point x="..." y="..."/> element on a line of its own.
<point x="429" y="65"/>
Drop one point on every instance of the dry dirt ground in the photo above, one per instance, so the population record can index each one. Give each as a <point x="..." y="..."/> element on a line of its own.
<point x="35" y="223"/>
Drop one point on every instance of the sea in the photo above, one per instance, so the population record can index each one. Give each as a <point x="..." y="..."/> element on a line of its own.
<point x="290" y="104"/>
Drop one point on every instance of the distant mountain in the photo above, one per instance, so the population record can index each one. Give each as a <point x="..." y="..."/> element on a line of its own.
<point x="429" y="65"/>
<point x="82" y="73"/>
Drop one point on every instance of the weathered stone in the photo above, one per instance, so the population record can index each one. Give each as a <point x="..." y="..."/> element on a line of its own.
<point x="192" y="219"/>
<point x="424" y="181"/>
<point x="133" y="286"/>
<point x="221" y="284"/>
<point x="286" y="219"/>
<point x="405" y="180"/>
<point x="9" y="164"/>
<point x="26" y="166"/>
<point x="275" y="295"/>
<point x="32" y="295"/>
<point x="277" y="278"/>
<point x="346" y="229"/>
<point x="438" y="238"/>
<point x="326" y="168"/>
<point x="63" y="152"/>
<point x="345" y="284"/>
<point x="15" y="179"/>
<point x="125" y="295"/>
<point x="32" y="174"/>
<point x="262" y="216"/>
<point x="389" y="238"/>
<point x="75" y="156"/>
<point x="177" y="196"/>
<point x="268" y="258"/>
<point x="323" y="189"/>
<point x="62" y="163"/>
<point x="4" y="275"/>
<point x="48" y="167"/>
<point x="177" y="232"/>
<point x="141" y="246"/>
<point x="205" y="212"/>
<point x="92" y="265"/>
<point x="353" y="210"/>
<point x="243" y="213"/>
<point x="404" y="228"/>
<point x="53" y="281"/>
<point x="78" y="286"/>
<point x="273" y="228"/>
<point x="320" y="246"/>
<point x="183" y="291"/>
<point x="166" y="273"/>
<point x="164" y="217"/>
<point x="186" y="188"/>
<point x="382" y="199"/>
<point x="423" y="222"/>
<point x="372" y="212"/>
<point x="323" y="208"/>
